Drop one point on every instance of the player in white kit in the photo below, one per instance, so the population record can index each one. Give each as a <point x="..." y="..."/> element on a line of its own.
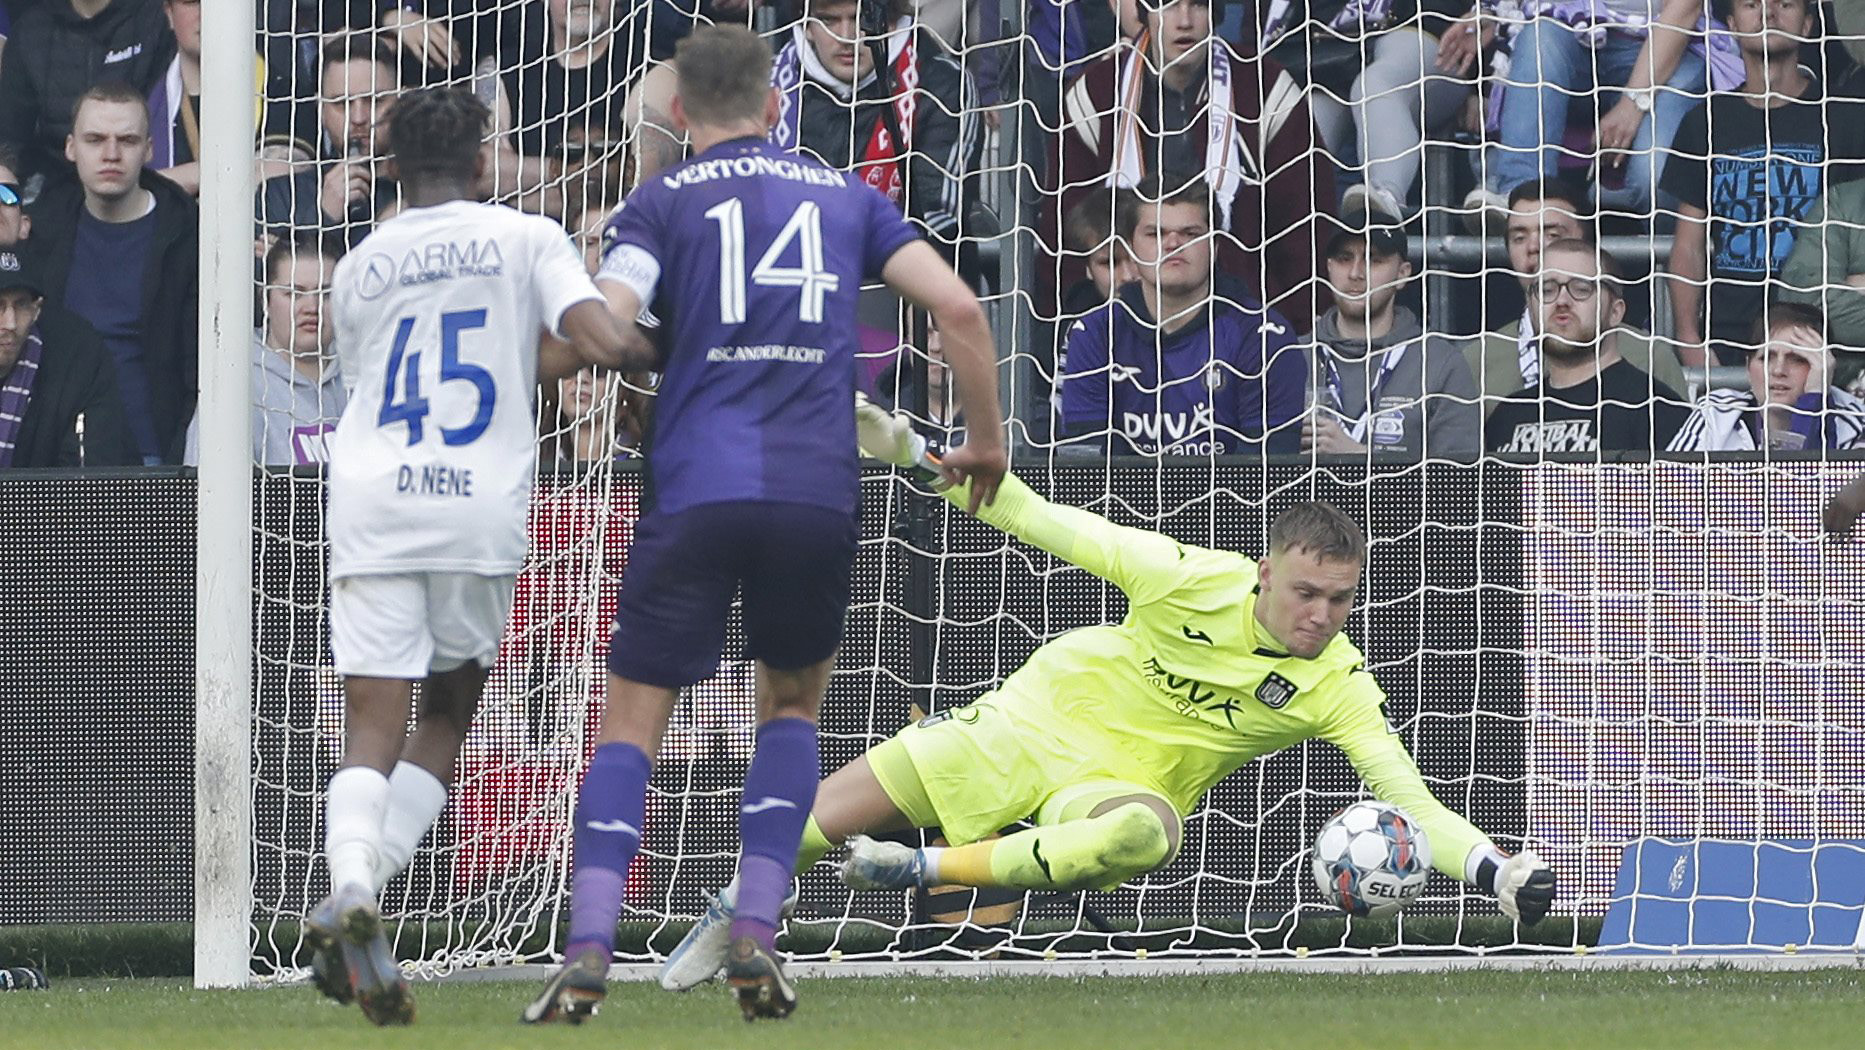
<point x="439" y="317"/>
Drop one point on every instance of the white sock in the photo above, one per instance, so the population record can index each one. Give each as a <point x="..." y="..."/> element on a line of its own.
<point x="354" y="804"/>
<point x="929" y="870"/>
<point x="416" y="798"/>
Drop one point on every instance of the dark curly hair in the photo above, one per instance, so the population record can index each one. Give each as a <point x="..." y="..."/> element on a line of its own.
<point x="437" y="131"/>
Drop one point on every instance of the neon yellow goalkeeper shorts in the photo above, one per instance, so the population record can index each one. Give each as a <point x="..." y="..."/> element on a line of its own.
<point x="982" y="767"/>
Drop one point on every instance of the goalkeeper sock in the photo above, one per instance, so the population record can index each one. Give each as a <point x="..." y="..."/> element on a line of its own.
<point x="354" y="804"/>
<point x="780" y="788"/>
<point x="416" y="798"/>
<point x="1095" y="853"/>
<point x="812" y="848"/>
<point x="608" y="832"/>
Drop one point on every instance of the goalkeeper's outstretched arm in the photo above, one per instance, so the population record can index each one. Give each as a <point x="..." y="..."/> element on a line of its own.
<point x="1145" y="565"/>
<point x="1522" y="884"/>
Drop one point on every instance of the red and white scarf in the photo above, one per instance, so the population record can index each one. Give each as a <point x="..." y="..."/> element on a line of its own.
<point x="880" y="162"/>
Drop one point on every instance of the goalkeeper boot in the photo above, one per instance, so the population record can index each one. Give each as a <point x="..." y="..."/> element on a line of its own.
<point x="757" y="978"/>
<point x="873" y="865"/>
<point x="700" y="955"/>
<point x="324" y="937"/>
<point x="375" y="976"/>
<point x="574" y="993"/>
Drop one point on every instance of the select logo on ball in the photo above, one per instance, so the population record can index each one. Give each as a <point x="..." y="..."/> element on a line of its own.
<point x="1371" y="859"/>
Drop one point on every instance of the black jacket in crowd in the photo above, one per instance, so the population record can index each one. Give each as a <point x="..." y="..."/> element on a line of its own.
<point x="74" y="417"/>
<point x="947" y="139"/>
<point x="170" y="292"/>
<point x="53" y="56"/>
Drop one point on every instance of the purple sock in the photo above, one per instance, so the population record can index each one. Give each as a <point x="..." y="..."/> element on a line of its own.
<point x="780" y="788"/>
<point x="607" y="833"/>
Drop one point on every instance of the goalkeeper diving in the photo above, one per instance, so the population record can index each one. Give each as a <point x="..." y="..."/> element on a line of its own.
<point x="1108" y="736"/>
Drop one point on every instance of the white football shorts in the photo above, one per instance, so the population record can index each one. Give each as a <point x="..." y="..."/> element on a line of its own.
<point x="409" y="624"/>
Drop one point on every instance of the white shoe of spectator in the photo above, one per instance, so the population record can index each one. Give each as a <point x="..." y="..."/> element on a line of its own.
<point x="1485" y="211"/>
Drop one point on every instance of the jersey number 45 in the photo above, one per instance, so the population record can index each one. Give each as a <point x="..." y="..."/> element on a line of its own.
<point x="405" y="371"/>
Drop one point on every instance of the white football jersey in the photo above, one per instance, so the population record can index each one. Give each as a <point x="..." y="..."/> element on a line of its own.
<point x="437" y="316"/>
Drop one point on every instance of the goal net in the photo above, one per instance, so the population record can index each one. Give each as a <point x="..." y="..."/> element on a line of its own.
<point x="1600" y="660"/>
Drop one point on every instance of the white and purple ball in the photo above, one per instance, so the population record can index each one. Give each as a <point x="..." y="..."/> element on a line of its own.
<point x="1371" y="859"/>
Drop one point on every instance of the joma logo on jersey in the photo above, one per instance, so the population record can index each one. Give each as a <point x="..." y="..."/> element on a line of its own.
<point x="444" y="260"/>
<point x="1192" y="695"/>
<point x="1276" y="691"/>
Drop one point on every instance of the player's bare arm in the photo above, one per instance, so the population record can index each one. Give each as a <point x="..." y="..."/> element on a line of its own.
<point x="593" y="336"/>
<point x="917" y="272"/>
<point x="637" y="352"/>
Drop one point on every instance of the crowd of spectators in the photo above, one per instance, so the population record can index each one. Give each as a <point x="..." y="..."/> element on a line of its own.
<point x="1229" y="207"/>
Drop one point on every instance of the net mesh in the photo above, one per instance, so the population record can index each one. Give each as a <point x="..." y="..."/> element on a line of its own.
<point x="1581" y="655"/>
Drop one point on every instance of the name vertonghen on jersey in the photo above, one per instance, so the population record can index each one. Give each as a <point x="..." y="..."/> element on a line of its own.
<point x="699" y="171"/>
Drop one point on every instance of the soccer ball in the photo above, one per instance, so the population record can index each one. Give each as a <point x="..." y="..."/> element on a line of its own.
<point x="1371" y="859"/>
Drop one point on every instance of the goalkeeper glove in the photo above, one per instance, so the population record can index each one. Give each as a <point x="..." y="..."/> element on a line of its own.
<point x="891" y="439"/>
<point x="1525" y="887"/>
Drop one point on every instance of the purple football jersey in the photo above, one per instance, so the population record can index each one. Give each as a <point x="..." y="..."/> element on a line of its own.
<point x="752" y="260"/>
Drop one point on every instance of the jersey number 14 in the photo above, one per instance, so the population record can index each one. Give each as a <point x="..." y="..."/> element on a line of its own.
<point x="808" y="276"/>
<point x="404" y="371"/>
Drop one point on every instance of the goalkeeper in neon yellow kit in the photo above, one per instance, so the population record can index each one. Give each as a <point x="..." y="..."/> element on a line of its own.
<point x="1109" y="735"/>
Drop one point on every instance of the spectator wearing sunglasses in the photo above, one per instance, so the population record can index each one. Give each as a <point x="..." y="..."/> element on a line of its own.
<point x="1589" y="398"/>
<point x="14" y="225"/>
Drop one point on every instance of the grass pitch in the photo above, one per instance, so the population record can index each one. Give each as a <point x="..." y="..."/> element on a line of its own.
<point x="1603" y="1009"/>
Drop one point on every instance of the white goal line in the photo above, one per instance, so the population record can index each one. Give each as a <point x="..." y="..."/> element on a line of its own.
<point x="1130" y="967"/>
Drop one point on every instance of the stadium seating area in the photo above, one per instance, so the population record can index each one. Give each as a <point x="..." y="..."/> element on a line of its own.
<point x="1381" y="182"/>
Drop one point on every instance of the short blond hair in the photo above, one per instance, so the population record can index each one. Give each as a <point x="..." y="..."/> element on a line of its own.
<point x="724" y="75"/>
<point x="1319" y="529"/>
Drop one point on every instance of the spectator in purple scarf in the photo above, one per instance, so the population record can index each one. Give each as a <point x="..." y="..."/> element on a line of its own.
<point x="58" y="403"/>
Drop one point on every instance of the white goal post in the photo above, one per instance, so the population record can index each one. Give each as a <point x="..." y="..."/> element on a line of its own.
<point x="223" y="842"/>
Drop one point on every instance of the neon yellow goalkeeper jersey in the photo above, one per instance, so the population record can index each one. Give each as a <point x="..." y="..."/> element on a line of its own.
<point x="1189" y="687"/>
